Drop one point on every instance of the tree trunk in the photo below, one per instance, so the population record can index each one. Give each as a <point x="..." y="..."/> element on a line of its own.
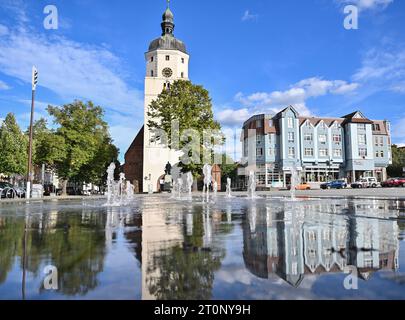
<point x="64" y="187"/>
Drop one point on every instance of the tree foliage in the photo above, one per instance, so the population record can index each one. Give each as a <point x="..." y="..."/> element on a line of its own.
<point x="87" y="143"/>
<point x="13" y="147"/>
<point x="398" y="162"/>
<point x="191" y="106"/>
<point x="48" y="148"/>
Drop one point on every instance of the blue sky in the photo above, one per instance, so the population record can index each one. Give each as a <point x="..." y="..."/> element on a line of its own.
<point x="253" y="56"/>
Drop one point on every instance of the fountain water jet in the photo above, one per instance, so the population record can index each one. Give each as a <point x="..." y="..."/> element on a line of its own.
<point x="207" y="179"/>
<point x="295" y="180"/>
<point x="215" y="188"/>
<point x="228" y="188"/>
<point x="252" y="185"/>
<point x="120" y="192"/>
<point x="189" y="182"/>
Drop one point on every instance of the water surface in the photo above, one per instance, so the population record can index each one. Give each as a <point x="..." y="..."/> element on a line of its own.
<point x="161" y="248"/>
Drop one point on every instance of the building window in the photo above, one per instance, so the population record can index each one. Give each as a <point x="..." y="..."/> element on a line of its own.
<point x="362" y="139"/>
<point x="307" y="123"/>
<point x="151" y="59"/>
<point x="323" y="152"/>
<point x="291" y="152"/>
<point x="322" y="125"/>
<point x="376" y="141"/>
<point x="290" y="122"/>
<point x="258" y="123"/>
<point x="337" y="138"/>
<point x="167" y="58"/>
<point x="271" y="123"/>
<point x="322" y="138"/>
<point x="182" y="60"/>
<point x="309" y="152"/>
<point x="361" y="126"/>
<point x="308" y="137"/>
<point x="182" y="74"/>
<point x="291" y="137"/>
<point x="363" y="152"/>
<point x="381" y="141"/>
<point x="382" y="154"/>
<point x="259" y="152"/>
<point x="336" y="125"/>
<point x="151" y="73"/>
<point x="271" y="152"/>
<point x="376" y="127"/>
<point x="377" y="154"/>
<point x="337" y="153"/>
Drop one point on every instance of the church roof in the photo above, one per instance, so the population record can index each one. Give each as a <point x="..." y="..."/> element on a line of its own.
<point x="167" y="41"/>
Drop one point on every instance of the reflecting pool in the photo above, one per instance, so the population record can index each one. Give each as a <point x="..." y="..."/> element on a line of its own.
<point x="162" y="248"/>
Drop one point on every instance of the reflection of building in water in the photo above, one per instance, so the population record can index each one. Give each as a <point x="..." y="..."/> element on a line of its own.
<point x="158" y="235"/>
<point x="179" y="252"/>
<point x="292" y="244"/>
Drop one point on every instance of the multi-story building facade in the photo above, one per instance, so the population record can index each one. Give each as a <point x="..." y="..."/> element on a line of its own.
<point x="322" y="149"/>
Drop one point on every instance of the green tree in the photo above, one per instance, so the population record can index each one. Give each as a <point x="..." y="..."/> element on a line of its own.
<point x="85" y="133"/>
<point x="48" y="147"/>
<point x="95" y="170"/>
<point x="13" y="147"/>
<point x="398" y="162"/>
<point x="191" y="106"/>
<point x="228" y="168"/>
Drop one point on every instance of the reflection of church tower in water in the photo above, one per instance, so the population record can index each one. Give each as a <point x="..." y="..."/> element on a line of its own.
<point x="166" y="61"/>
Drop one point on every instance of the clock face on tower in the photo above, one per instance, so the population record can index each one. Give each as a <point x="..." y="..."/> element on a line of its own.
<point x="167" y="72"/>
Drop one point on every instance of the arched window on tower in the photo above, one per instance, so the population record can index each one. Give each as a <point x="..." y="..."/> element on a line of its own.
<point x="151" y="73"/>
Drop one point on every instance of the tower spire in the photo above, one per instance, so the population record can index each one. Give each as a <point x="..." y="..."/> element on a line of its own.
<point x="167" y="21"/>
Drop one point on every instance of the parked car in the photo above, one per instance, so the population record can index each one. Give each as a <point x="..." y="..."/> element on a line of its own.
<point x="337" y="184"/>
<point x="393" y="182"/>
<point x="358" y="184"/>
<point x="301" y="186"/>
<point x="368" y="182"/>
<point x="7" y="190"/>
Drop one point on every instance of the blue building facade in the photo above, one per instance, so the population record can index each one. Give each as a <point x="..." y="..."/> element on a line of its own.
<point x="322" y="149"/>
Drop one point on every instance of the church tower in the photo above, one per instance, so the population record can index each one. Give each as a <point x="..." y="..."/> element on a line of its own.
<point x="166" y="61"/>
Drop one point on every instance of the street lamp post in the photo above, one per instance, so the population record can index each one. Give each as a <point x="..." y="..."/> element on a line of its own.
<point x="29" y="173"/>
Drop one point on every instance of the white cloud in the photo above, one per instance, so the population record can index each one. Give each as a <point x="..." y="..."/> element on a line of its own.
<point x="4" y="86"/>
<point x="248" y="16"/>
<point x="296" y="95"/>
<point x="367" y="4"/>
<point x="230" y="117"/>
<point x="69" y="68"/>
<point x="384" y="69"/>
